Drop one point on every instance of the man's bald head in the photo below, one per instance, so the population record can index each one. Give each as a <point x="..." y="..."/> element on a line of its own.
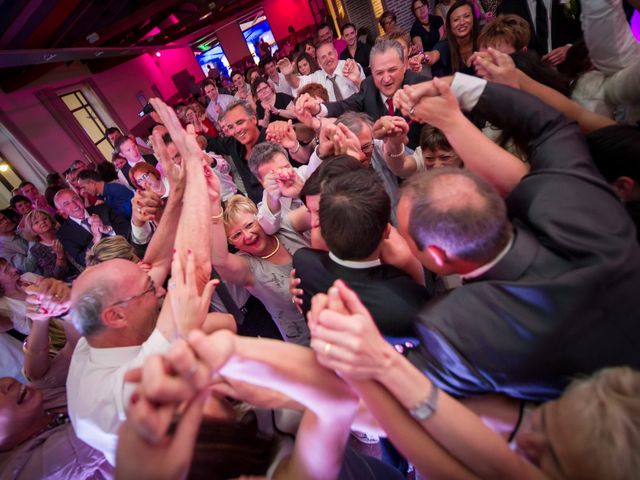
<point x="458" y="212"/>
<point x="99" y="287"/>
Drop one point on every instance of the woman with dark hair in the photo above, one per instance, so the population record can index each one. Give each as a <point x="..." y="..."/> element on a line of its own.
<point x="461" y="42"/>
<point x="271" y="106"/>
<point x="305" y="64"/>
<point x="307" y="46"/>
<point x="427" y="30"/>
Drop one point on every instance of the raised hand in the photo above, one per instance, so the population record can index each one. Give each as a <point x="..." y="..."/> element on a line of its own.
<point x="390" y="127"/>
<point x="345" y="142"/>
<point x="283" y="133"/>
<point x="325" y="145"/>
<point x="185" y="140"/>
<point x="306" y="106"/>
<point x="295" y="291"/>
<point x="172" y="170"/>
<point x="286" y="67"/>
<point x="189" y="306"/>
<point x="58" y="250"/>
<point x="345" y="337"/>
<point x="496" y="67"/>
<point x="351" y="71"/>
<point x="441" y="111"/>
<point x="146" y="206"/>
<point x="48" y="298"/>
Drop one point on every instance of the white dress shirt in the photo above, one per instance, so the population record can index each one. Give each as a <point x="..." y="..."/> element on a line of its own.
<point x="282" y="86"/>
<point x="222" y="100"/>
<point x="347" y="87"/>
<point x="97" y="393"/>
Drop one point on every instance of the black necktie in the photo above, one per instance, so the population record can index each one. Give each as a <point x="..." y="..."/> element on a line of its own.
<point x="336" y="88"/>
<point x="542" y="28"/>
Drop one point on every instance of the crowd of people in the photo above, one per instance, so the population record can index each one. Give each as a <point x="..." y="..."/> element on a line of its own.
<point x="428" y="241"/>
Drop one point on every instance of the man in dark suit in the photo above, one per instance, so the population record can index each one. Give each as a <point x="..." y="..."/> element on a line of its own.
<point x="127" y="148"/>
<point x="554" y="27"/>
<point x="85" y="227"/>
<point x="388" y="74"/>
<point x="550" y="277"/>
<point x="354" y="218"/>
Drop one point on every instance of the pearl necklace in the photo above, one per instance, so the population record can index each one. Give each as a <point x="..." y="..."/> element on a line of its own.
<point x="275" y="250"/>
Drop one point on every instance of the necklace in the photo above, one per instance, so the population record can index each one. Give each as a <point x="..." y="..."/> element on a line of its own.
<point x="275" y="250"/>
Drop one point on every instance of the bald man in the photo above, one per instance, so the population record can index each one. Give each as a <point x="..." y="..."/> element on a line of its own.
<point x="115" y="306"/>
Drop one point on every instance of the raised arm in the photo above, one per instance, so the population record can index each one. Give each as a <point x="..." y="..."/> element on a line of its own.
<point x="231" y="267"/>
<point x="437" y="105"/>
<point x="193" y="233"/>
<point x="500" y="68"/>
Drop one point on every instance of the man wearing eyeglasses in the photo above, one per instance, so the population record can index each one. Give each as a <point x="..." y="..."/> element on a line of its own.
<point x="115" y="306"/>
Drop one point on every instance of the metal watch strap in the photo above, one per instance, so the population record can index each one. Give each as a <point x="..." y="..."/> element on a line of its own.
<point x="425" y="409"/>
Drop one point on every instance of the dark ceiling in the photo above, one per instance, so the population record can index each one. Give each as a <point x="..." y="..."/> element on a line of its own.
<point x="36" y="35"/>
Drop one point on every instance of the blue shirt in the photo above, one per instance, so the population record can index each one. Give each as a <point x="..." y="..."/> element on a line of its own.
<point x="118" y="197"/>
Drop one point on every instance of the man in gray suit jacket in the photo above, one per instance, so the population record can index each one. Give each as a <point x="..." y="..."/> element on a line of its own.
<point x="550" y="276"/>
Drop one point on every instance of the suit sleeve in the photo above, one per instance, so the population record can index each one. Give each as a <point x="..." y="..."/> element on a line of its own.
<point x="354" y="103"/>
<point x="72" y="246"/>
<point x="120" y="224"/>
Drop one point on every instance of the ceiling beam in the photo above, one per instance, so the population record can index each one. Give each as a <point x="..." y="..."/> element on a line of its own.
<point x="15" y="58"/>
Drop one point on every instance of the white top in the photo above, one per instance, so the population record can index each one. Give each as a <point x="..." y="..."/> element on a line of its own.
<point x="282" y="85"/>
<point x="222" y="100"/>
<point x="97" y="393"/>
<point x="347" y="87"/>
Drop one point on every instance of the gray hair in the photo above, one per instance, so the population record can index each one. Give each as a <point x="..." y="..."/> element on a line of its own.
<point x="263" y="153"/>
<point x="354" y="121"/>
<point x="383" y="45"/>
<point x="86" y="311"/>
<point x="239" y="103"/>
<point x="459" y="212"/>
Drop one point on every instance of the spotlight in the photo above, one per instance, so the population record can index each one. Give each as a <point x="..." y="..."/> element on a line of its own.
<point x="158" y="54"/>
<point x="4" y="167"/>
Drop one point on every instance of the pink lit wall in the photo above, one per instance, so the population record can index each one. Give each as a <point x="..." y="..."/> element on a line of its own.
<point x="282" y="13"/>
<point x="119" y="85"/>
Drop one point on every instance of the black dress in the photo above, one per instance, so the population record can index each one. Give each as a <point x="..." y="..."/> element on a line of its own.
<point x="431" y="37"/>
<point x="282" y="100"/>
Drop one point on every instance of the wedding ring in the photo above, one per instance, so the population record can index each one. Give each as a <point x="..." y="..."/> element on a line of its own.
<point x="139" y="210"/>
<point x="412" y="110"/>
<point x="327" y="348"/>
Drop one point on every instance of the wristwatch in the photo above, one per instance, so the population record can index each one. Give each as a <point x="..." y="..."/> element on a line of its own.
<point x="425" y="409"/>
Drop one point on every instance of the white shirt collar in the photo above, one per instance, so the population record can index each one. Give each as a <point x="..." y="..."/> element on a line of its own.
<point x="488" y="266"/>
<point x="80" y="220"/>
<point x="359" y="264"/>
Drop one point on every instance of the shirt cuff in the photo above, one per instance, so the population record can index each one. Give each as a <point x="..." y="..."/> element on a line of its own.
<point x="323" y="111"/>
<point x="141" y="235"/>
<point x="467" y="90"/>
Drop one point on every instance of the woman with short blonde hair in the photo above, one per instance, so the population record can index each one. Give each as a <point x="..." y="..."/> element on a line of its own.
<point x="46" y="255"/>
<point x="109" y="248"/>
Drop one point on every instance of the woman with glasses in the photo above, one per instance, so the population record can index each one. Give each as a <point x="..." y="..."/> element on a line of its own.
<point x="262" y="263"/>
<point x="271" y="105"/>
<point x="147" y="177"/>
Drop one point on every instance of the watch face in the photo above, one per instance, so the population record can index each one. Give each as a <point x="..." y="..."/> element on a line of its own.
<point x="422" y="412"/>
